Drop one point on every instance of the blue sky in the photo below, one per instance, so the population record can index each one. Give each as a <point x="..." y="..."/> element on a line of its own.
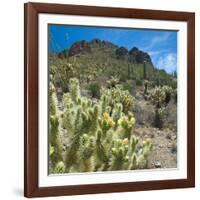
<point x="160" y="45"/>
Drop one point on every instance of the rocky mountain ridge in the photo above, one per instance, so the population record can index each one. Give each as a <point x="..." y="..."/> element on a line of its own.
<point x="135" y="55"/>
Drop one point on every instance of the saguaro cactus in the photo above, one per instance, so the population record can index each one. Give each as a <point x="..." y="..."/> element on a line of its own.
<point x="144" y="70"/>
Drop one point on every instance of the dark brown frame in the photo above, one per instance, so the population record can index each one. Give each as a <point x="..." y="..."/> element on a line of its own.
<point x="32" y="10"/>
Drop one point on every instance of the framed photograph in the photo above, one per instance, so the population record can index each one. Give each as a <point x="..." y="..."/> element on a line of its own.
<point x="109" y="99"/>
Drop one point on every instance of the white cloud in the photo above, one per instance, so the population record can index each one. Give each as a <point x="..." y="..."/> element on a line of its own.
<point x="156" y="40"/>
<point x="156" y="53"/>
<point x="161" y="38"/>
<point x="167" y="62"/>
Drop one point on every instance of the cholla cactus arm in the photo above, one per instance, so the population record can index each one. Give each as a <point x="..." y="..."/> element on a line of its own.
<point x="74" y="90"/>
<point x="93" y="116"/>
<point x="101" y="154"/>
<point x="87" y="147"/>
<point x="69" y="113"/>
<point x="103" y="103"/>
<point x="147" y="147"/>
<point x="68" y="118"/>
<point x="71" y="154"/>
<point x="106" y="123"/>
<point x="126" y="123"/>
<point x="143" y="154"/>
<point x="117" y="113"/>
<point x="56" y="154"/>
<point x="133" y="143"/>
<point x="119" y="157"/>
<point x="52" y="99"/>
<point x="133" y="162"/>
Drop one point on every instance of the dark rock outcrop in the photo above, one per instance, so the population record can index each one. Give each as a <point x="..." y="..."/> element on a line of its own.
<point x="96" y="41"/>
<point x="79" y="47"/>
<point x="139" y="56"/>
<point x="134" y="55"/>
<point x="122" y="53"/>
<point x="107" y="44"/>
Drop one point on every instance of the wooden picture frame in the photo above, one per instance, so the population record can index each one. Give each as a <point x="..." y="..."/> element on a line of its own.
<point x="31" y="104"/>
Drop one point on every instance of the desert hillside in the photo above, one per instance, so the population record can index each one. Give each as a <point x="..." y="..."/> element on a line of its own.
<point x="103" y="68"/>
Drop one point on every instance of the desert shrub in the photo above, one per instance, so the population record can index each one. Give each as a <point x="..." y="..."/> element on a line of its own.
<point x="127" y="86"/>
<point x="62" y="73"/>
<point x="100" y="137"/>
<point x="138" y="82"/>
<point x="123" y="77"/>
<point x="94" y="89"/>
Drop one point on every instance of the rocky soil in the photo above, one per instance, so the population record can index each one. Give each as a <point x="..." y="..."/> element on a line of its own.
<point x="164" y="154"/>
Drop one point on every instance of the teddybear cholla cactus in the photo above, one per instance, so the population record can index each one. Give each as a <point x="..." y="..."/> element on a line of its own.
<point x="157" y="96"/>
<point x="114" y="80"/>
<point x="100" y="137"/>
<point x="160" y="97"/>
<point x="55" y="147"/>
<point x="118" y="95"/>
<point x="168" y="93"/>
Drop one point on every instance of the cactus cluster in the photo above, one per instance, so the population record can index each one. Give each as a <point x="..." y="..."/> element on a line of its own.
<point x="160" y="97"/>
<point x="66" y="71"/>
<point x="113" y="81"/>
<point x="168" y="93"/>
<point x="54" y="143"/>
<point x="118" y="95"/>
<point x="99" y="134"/>
<point x="157" y="96"/>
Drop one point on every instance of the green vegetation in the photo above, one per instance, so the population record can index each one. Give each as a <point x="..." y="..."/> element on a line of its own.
<point x="100" y="135"/>
<point x="101" y="66"/>
<point x="96" y="98"/>
<point x="94" y="89"/>
<point x="54" y="146"/>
